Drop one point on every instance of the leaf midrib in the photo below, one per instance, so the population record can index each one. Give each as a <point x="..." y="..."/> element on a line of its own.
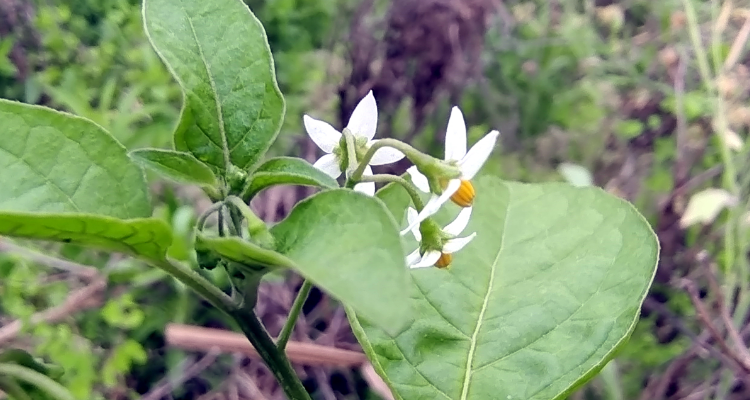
<point x="219" y="110"/>
<point x="490" y="285"/>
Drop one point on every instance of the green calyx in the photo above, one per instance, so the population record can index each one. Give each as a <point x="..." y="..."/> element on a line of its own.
<point x="438" y="172"/>
<point x="433" y="236"/>
<point x="236" y="179"/>
<point x="341" y="153"/>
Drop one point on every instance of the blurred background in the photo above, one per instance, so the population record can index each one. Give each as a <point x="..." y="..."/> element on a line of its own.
<point x="646" y="99"/>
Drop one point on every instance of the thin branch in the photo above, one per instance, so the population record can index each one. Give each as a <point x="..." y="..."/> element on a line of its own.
<point x="198" y="338"/>
<point x="167" y="385"/>
<point x="77" y="301"/>
<point x="84" y="271"/>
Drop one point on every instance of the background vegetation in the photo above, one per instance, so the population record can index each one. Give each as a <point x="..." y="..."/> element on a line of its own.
<point x="647" y="99"/>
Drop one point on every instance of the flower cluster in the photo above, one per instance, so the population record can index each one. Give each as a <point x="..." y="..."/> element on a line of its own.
<point x="447" y="179"/>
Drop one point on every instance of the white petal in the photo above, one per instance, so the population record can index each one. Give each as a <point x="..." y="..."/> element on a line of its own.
<point x="322" y="133"/>
<point x="367" y="188"/>
<point x="455" y="136"/>
<point x="457" y="244"/>
<point x="418" y="179"/>
<point x="435" y="202"/>
<point x="364" y="119"/>
<point x="329" y="164"/>
<point x="385" y="155"/>
<point x="477" y="155"/>
<point x="429" y="259"/>
<point x="411" y="216"/>
<point x="413" y="258"/>
<point x="458" y="224"/>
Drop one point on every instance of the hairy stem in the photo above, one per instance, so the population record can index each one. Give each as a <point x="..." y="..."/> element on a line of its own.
<point x="273" y="357"/>
<point x="299" y="301"/>
<point x="385" y="178"/>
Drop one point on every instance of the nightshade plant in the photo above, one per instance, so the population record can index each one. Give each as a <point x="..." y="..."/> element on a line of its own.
<point x="547" y="287"/>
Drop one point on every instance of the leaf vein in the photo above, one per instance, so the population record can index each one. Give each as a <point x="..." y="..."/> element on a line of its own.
<point x="219" y="110"/>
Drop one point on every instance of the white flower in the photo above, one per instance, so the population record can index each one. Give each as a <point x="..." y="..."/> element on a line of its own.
<point x="362" y="124"/>
<point x="460" y="190"/>
<point x="443" y="257"/>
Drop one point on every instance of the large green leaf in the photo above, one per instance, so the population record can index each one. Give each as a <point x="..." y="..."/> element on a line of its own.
<point x="348" y="244"/>
<point x="218" y="52"/>
<point x="142" y="237"/>
<point x="175" y="165"/>
<point x="56" y="162"/>
<point x="548" y="290"/>
<point x="286" y="171"/>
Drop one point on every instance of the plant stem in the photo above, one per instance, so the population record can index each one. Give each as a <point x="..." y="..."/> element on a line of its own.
<point x="202" y="219"/>
<point x="350" y="151"/>
<point x="411" y="153"/>
<point x="41" y="381"/>
<point x="273" y="357"/>
<point x="256" y="227"/>
<point x="197" y="283"/>
<point x="382" y="178"/>
<point x="299" y="301"/>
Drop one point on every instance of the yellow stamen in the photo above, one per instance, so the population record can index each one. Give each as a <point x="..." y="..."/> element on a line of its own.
<point x="464" y="196"/>
<point x="444" y="261"/>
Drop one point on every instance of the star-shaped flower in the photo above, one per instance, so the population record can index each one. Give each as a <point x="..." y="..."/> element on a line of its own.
<point x="439" y="254"/>
<point x="460" y="189"/>
<point x="362" y="124"/>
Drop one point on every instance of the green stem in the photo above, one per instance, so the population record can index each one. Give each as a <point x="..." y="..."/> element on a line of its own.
<point x="350" y="151"/>
<point x="202" y="219"/>
<point x="273" y="357"/>
<point x="41" y="381"/>
<point x="197" y="283"/>
<point x="416" y="157"/>
<point x="256" y="227"/>
<point x="385" y="178"/>
<point x="299" y="301"/>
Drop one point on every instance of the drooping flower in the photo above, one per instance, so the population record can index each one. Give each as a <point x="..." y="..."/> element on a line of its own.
<point x="439" y="251"/>
<point x="362" y="125"/>
<point x="459" y="189"/>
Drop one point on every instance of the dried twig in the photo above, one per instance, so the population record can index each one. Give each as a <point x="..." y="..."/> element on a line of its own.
<point x="79" y="300"/>
<point x="202" y="339"/>
<point x="84" y="271"/>
<point x="165" y="387"/>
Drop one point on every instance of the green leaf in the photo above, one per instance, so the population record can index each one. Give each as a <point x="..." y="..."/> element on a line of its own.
<point x="286" y="171"/>
<point x="59" y="163"/>
<point x="535" y="305"/>
<point x="348" y="244"/>
<point x="241" y="251"/>
<point x="218" y="52"/>
<point x="142" y="237"/>
<point x="175" y="165"/>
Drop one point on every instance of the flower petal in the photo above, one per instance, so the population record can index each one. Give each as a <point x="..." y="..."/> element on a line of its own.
<point x="411" y="215"/>
<point x="435" y="202"/>
<point x="322" y="133"/>
<point x="418" y="179"/>
<point x="364" y="119"/>
<point x="329" y="164"/>
<point x="455" y="136"/>
<point x="457" y="244"/>
<point x="367" y="188"/>
<point x="428" y="259"/>
<point x="477" y="155"/>
<point x="458" y="224"/>
<point x="385" y="155"/>
<point x="413" y="258"/>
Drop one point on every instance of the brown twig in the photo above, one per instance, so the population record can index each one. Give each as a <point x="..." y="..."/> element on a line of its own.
<point x="165" y="387"/>
<point x="79" y="300"/>
<point x="739" y="344"/>
<point x="84" y="271"/>
<point x="201" y="339"/>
